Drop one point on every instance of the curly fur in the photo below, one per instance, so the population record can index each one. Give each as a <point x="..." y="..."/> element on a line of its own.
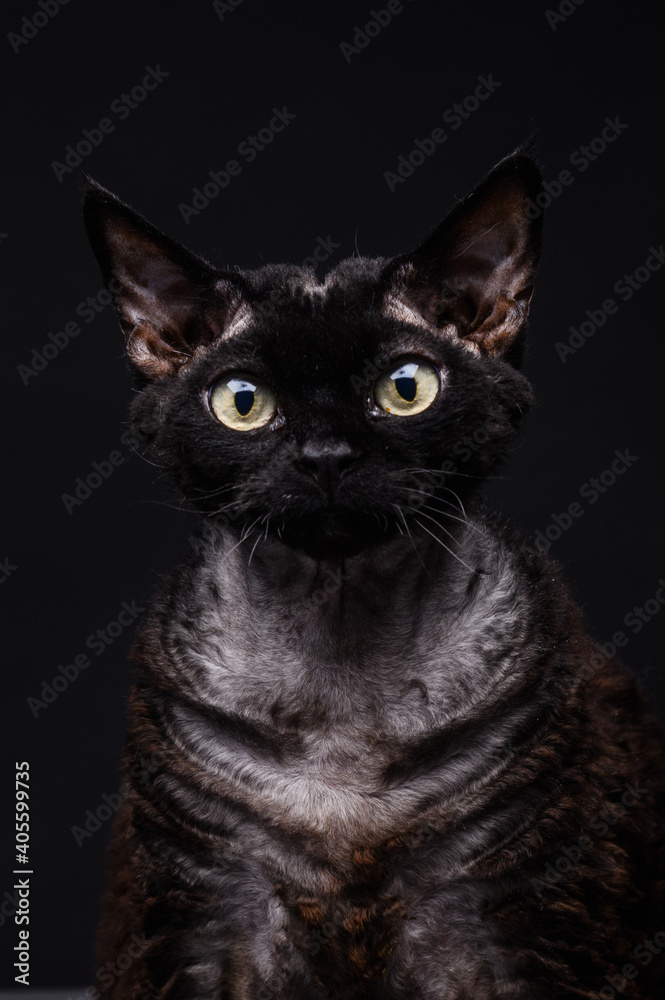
<point x="385" y="768"/>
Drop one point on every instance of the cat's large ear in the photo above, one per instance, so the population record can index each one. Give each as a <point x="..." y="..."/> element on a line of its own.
<point x="475" y="272"/>
<point x="168" y="300"/>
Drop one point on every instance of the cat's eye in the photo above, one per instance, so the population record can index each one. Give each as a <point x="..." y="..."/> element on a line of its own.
<point x="409" y="388"/>
<point x="242" y="402"/>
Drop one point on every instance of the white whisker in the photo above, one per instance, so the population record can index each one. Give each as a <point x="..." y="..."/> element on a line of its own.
<point x="425" y="528"/>
<point x="244" y="534"/>
<point x="258" y="539"/>
<point x="399" y="511"/>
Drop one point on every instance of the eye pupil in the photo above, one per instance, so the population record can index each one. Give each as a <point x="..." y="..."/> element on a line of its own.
<point x="407" y="388"/>
<point x="244" y="401"/>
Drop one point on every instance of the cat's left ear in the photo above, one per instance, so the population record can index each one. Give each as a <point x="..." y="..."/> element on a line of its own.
<point x="475" y="272"/>
<point x="168" y="300"/>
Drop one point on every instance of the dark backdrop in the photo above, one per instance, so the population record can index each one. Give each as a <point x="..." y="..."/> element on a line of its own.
<point x="66" y="573"/>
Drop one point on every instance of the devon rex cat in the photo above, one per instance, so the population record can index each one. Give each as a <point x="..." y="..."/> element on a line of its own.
<point x="388" y="766"/>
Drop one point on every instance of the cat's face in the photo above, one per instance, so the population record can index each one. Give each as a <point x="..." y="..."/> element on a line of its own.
<point x="330" y="414"/>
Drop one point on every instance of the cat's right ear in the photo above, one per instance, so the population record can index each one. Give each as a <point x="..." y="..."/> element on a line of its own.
<point x="474" y="275"/>
<point x="168" y="300"/>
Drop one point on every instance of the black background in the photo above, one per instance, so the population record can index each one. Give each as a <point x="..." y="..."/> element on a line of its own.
<point x="323" y="176"/>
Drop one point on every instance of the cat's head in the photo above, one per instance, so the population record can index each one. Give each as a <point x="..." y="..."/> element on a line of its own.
<point x="330" y="413"/>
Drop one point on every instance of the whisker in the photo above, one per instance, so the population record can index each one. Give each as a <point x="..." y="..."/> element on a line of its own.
<point x="244" y="534"/>
<point x="258" y="539"/>
<point x="441" y="499"/>
<point x="445" y="513"/>
<point x="433" y="496"/>
<point x="155" y="465"/>
<point x="467" y="475"/>
<point x="166" y="503"/>
<point x="430" y="518"/>
<point x="208" y="494"/>
<point x="224" y="507"/>
<point x="448" y="489"/>
<point x="399" y="511"/>
<point x="453" y="554"/>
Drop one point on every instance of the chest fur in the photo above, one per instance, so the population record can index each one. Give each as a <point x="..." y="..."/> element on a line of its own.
<point x="303" y="714"/>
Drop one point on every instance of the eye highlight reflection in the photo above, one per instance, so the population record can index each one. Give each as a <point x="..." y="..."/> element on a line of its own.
<point x="409" y="388"/>
<point x="242" y="402"/>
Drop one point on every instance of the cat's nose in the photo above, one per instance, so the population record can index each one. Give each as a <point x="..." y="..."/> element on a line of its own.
<point x="327" y="464"/>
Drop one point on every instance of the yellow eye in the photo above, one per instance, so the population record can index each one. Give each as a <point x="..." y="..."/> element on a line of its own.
<point x="411" y="388"/>
<point x="242" y="402"/>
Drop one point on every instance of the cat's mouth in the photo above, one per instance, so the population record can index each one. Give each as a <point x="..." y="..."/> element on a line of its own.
<point x="333" y="535"/>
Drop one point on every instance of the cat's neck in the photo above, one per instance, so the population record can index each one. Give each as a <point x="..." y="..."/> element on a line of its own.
<point x="350" y="603"/>
<point x="263" y="625"/>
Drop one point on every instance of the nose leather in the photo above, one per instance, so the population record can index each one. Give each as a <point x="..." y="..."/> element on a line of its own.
<point x="327" y="464"/>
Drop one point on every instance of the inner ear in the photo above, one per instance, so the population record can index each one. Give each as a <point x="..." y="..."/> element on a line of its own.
<point x="475" y="272"/>
<point x="168" y="300"/>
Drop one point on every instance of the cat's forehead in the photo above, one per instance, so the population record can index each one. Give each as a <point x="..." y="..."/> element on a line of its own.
<point x="353" y="280"/>
<point x="342" y="314"/>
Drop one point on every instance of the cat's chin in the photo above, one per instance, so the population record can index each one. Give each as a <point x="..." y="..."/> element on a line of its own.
<point x="332" y="540"/>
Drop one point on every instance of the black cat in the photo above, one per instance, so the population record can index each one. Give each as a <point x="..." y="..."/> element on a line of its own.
<point x="387" y="768"/>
